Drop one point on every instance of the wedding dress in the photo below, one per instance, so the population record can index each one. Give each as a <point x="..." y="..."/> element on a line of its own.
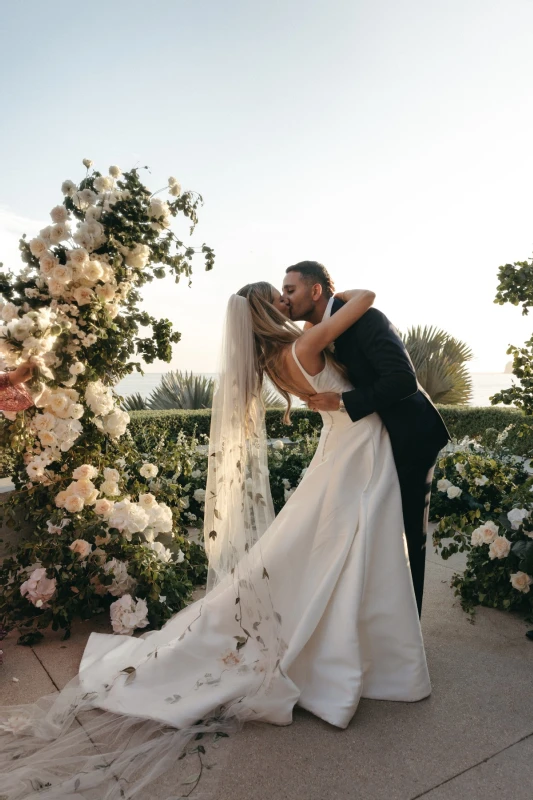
<point x="341" y="601"/>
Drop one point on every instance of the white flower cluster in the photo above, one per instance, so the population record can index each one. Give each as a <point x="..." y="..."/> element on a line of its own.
<point x="447" y="486"/>
<point x="108" y="417"/>
<point x="57" y="427"/>
<point x="122" y="583"/>
<point x="147" y="516"/>
<point x="128" y="614"/>
<point x="33" y="334"/>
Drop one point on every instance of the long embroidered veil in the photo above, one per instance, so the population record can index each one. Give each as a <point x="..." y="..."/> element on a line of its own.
<point x="54" y="749"/>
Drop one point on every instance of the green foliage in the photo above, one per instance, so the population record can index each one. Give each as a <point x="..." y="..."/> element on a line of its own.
<point x="86" y="321"/>
<point x="439" y="361"/>
<point x="516" y="287"/>
<point x="492" y="483"/>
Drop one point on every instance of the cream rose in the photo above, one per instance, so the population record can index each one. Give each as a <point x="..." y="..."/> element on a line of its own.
<point x="83" y="295"/>
<point x="86" y="471"/>
<point x="453" y="492"/>
<point x="148" y="470"/>
<point x="73" y="503"/>
<point x="81" y="547"/>
<point x="103" y="507"/>
<point x="499" y="548"/>
<point x="521" y="581"/>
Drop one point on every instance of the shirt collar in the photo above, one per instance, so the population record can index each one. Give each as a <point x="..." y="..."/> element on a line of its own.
<point x="327" y="312"/>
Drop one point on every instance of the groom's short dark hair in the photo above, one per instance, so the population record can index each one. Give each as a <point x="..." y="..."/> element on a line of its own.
<point x="314" y="272"/>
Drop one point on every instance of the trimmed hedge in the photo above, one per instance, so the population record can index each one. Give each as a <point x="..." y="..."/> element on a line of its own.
<point x="461" y="421"/>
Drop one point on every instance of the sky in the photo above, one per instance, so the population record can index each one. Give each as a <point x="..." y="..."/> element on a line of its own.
<point x="388" y="139"/>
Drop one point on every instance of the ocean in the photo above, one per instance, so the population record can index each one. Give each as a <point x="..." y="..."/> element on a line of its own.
<point x="485" y="384"/>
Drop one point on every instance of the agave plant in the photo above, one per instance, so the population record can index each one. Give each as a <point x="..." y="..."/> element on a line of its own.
<point x="134" y="402"/>
<point x="182" y="390"/>
<point x="440" y="364"/>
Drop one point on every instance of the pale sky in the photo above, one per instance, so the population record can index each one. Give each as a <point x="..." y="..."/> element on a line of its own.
<point x="389" y="139"/>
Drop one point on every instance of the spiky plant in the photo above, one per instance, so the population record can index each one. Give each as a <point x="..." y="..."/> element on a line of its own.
<point x="134" y="402"/>
<point x="271" y="397"/>
<point x="440" y="363"/>
<point x="182" y="390"/>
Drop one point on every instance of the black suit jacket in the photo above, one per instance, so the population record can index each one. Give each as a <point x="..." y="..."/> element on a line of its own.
<point x="380" y="369"/>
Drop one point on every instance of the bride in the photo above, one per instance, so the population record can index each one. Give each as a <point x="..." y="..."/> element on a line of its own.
<point x="314" y="607"/>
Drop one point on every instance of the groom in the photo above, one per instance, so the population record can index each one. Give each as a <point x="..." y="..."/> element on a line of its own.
<point x="385" y="382"/>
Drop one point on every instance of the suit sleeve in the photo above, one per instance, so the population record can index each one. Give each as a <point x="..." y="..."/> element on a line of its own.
<point x="376" y="338"/>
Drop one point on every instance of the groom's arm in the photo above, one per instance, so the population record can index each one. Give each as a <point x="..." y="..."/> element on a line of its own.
<point x="376" y="338"/>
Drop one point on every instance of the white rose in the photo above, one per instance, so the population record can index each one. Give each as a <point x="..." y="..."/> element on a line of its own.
<point x="83" y="295"/>
<point x="48" y="439"/>
<point x="199" y="495"/>
<point x="93" y="271"/>
<point x="81" y="547"/>
<point x="486" y="532"/>
<point x="460" y="468"/>
<point x="160" y="518"/>
<point x="106" y="292"/>
<point x="147" y="501"/>
<point x="59" y="214"/>
<point x="128" y="614"/>
<point x="87" y="163"/>
<point x="47" y="263"/>
<point x="521" y="581"/>
<point x="77" y="368"/>
<point x="38" y="247"/>
<point x="481" y="481"/>
<point x="476" y="539"/>
<point x="122" y="582"/>
<point x="160" y="550"/>
<point x="443" y="485"/>
<point x="103" y="507"/>
<point x="93" y="214"/>
<point x="112" y="310"/>
<point x="73" y="503"/>
<point x="128" y="517"/>
<point x="111" y="474"/>
<point x="174" y="189"/>
<point x="453" y="492"/>
<point x="110" y="488"/>
<point x="516" y="517"/>
<point x="499" y="548"/>
<point x="115" y="171"/>
<point x="68" y="188"/>
<point x="180" y="557"/>
<point x="55" y="288"/>
<point x="278" y="445"/>
<point x="9" y="312"/>
<point x="116" y="423"/>
<point x="158" y="208"/>
<point x="59" y="233"/>
<point x="148" y="470"/>
<point x="138" y="257"/>
<point x="99" y="398"/>
<point x="59" y="403"/>
<point x="104" y="183"/>
<point x="85" y="471"/>
<point x="78" y="257"/>
<point x="61" y="273"/>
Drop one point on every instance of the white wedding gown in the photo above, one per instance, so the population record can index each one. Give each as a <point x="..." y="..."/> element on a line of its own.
<point x="340" y="581"/>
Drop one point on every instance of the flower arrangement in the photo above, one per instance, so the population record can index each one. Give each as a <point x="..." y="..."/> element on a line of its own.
<point x="484" y="506"/>
<point x="101" y="531"/>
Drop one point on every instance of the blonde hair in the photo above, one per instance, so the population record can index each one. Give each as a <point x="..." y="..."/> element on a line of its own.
<point x="272" y="333"/>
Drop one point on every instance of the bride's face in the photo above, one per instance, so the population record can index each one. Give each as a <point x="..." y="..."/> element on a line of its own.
<point x="279" y="303"/>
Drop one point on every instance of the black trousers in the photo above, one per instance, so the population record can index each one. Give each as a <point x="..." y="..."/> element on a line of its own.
<point x="415" y="478"/>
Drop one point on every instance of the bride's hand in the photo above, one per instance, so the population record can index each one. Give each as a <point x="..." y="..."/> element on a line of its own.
<point x="348" y="294"/>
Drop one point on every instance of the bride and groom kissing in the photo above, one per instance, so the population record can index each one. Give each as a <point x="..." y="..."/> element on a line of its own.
<point x="318" y="606"/>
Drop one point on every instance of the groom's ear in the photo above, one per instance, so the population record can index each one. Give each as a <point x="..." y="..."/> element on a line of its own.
<point x="316" y="292"/>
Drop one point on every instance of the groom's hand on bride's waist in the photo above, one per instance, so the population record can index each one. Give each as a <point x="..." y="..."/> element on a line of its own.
<point x="326" y="401"/>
